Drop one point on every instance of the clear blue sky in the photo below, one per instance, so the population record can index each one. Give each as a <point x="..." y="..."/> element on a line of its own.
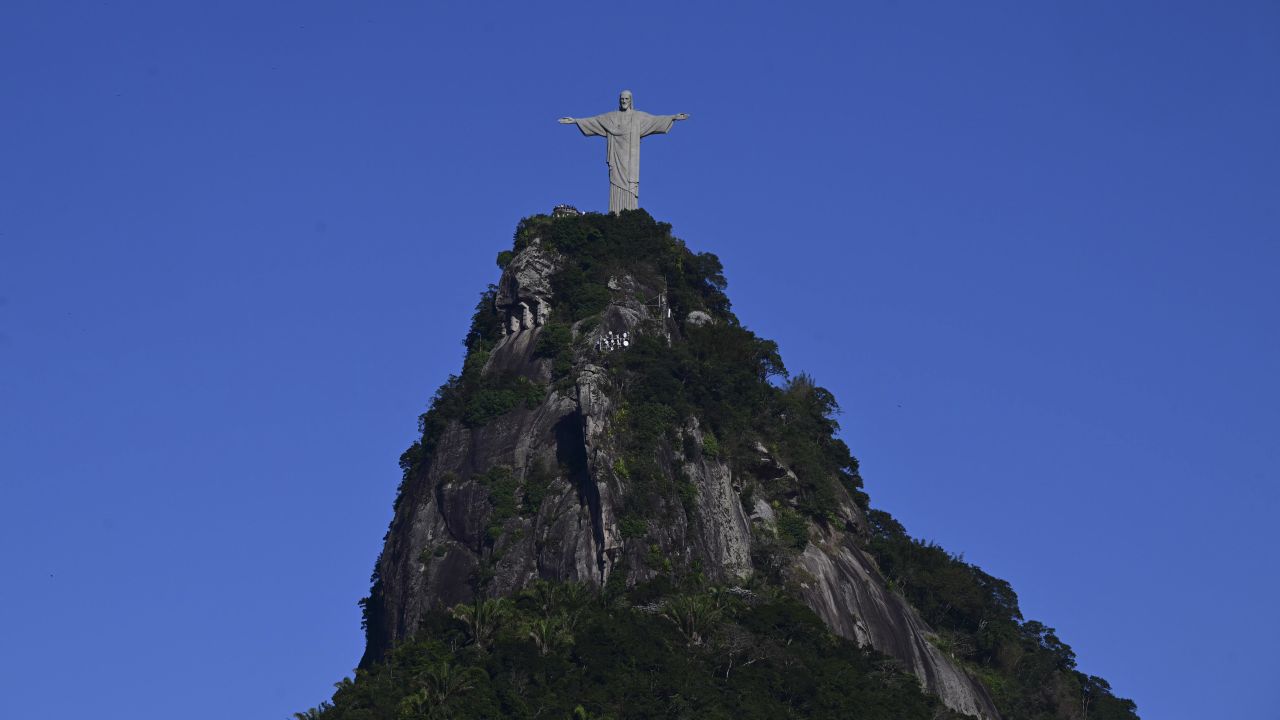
<point x="1031" y="247"/>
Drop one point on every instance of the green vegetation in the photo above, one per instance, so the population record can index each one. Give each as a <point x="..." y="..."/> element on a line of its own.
<point x="555" y="341"/>
<point x="499" y="396"/>
<point x="599" y="247"/>
<point x="563" y="651"/>
<point x="509" y="498"/>
<point x="502" y="486"/>
<point x="793" y="529"/>
<point x="633" y="526"/>
<point x="1029" y="671"/>
<point x="536" y="483"/>
<point x="710" y="445"/>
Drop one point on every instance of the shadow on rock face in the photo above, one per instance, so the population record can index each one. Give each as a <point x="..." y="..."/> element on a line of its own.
<point x="571" y="453"/>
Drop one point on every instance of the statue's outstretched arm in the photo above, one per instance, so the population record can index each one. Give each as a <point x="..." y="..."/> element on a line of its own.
<point x="681" y="116"/>
<point x="589" y="126"/>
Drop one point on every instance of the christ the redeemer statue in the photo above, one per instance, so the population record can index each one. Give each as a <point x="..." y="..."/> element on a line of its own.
<point x="623" y="128"/>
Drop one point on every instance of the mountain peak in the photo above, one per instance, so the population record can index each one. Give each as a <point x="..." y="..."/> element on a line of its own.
<point x="616" y="429"/>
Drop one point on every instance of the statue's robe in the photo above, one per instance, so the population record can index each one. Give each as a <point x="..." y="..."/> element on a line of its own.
<point x="623" y="129"/>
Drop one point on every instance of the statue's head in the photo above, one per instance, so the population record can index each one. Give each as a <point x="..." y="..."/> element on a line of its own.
<point x="624" y="100"/>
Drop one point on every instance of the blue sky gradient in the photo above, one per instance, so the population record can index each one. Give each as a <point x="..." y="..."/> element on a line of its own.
<point x="1031" y="247"/>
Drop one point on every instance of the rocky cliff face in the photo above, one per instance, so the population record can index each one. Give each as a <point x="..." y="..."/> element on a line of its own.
<point x="540" y="491"/>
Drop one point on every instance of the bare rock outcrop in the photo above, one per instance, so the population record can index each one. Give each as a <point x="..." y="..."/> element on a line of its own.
<point x="524" y="293"/>
<point x="841" y="584"/>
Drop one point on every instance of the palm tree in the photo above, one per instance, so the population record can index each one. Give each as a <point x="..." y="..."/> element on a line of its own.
<point x="693" y="615"/>
<point x="543" y="594"/>
<point x="441" y="686"/>
<point x="573" y="596"/>
<point x="547" y="633"/>
<point x="484" y="619"/>
<point x="549" y="597"/>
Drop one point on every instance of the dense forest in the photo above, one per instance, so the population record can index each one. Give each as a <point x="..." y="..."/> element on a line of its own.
<point x="680" y="645"/>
